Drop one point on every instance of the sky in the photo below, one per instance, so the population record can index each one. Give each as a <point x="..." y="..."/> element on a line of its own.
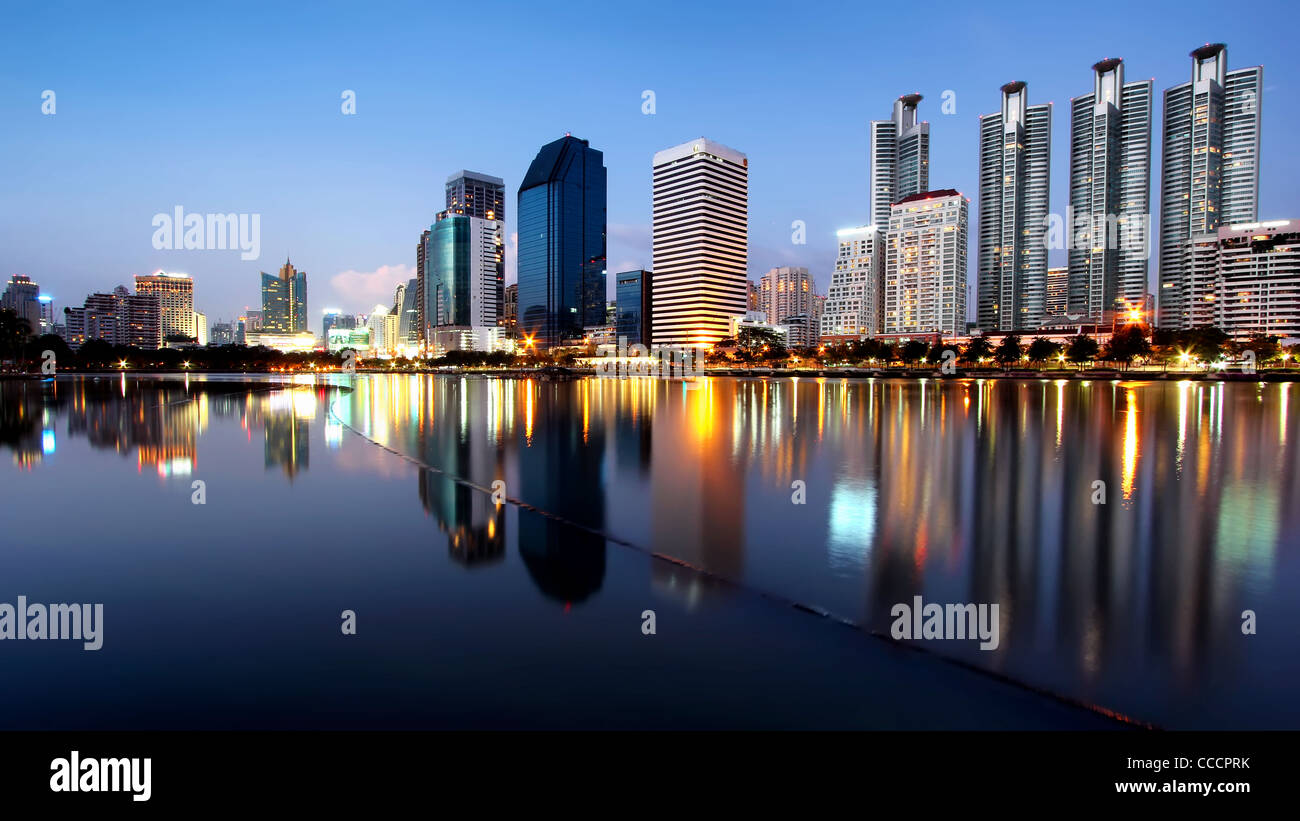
<point x="238" y="108"/>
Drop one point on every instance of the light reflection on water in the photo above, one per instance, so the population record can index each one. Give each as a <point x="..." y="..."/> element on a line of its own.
<point x="964" y="490"/>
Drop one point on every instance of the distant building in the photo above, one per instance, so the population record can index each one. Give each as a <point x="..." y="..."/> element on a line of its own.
<point x="855" y="299"/>
<point x="561" y="260"/>
<point x="408" y="331"/>
<point x="284" y="301"/>
<point x="751" y="295"/>
<point x="785" y="291"/>
<point x="510" y="310"/>
<point x="223" y="333"/>
<point x="339" y="338"/>
<point x="1058" y="293"/>
<point x="634" y="304"/>
<point x="175" y="294"/>
<point x="700" y="242"/>
<point x="925" y="265"/>
<point x="334" y="318"/>
<point x="303" y="342"/>
<point x="476" y="195"/>
<point x="22" y="296"/>
<point x="200" y="328"/>
<point x="119" y="318"/>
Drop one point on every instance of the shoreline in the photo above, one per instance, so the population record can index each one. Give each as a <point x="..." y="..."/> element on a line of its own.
<point x="559" y="374"/>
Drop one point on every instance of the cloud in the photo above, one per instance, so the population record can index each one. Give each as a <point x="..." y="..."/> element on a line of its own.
<point x="359" y="290"/>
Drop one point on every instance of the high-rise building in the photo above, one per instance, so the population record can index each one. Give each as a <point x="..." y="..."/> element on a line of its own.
<point x="787" y="296"/>
<point x="751" y="295"/>
<point x="1058" y="296"/>
<point x="561" y="262"/>
<point x="404" y="305"/>
<point x="925" y="265"/>
<point x="1209" y="175"/>
<point x="854" y="301"/>
<point x="175" y="294"/>
<point x="1110" y="195"/>
<point x="22" y="296"/>
<point x="421" y="252"/>
<point x="1015" y="159"/>
<point x="701" y="242"/>
<point x="476" y="195"/>
<point x="634" y="305"/>
<point x="119" y="318"/>
<point x="900" y="157"/>
<point x="1246" y="279"/>
<point x="284" y="301"/>
<point x="200" y="328"/>
<point x="510" y="309"/>
<point x="464" y="273"/>
<point x="334" y="318"/>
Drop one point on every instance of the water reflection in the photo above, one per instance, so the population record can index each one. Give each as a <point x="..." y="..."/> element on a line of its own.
<point x="1121" y="527"/>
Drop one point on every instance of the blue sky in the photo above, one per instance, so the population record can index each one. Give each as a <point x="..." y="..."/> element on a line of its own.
<point x="236" y="108"/>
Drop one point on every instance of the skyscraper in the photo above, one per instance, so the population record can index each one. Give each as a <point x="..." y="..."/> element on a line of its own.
<point x="284" y="301"/>
<point x="634" y="303"/>
<point x="561" y="262"/>
<point x="22" y="296"/>
<point x="900" y="158"/>
<point x="175" y="294"/>
<point x="853" y="303"/>
<point x="701" y="242"/>
<point x="1209" y="174"/>
<point x="464" y="272"/>
<point x="785" y="292"/>
<point x="476" y="195"/>
<point x="1110" y="195"/>
<point x="1015" y="157"/>
<point x="421" y="251"/>
<point x="925" y="265"/>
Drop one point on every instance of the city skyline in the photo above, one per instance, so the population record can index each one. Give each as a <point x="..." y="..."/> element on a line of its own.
<point x="360" y="244"/>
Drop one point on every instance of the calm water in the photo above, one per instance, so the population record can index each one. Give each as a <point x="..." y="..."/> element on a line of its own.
<point x="373" y="495"/>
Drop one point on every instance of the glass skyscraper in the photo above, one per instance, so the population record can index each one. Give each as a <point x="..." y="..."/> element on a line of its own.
<point x="562" y="243"/>
<point x="464" y="265"/>
<point x="284" y="301"/>
<point x="633" y="306"/>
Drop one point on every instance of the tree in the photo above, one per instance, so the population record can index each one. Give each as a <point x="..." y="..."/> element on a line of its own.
<point x="1125" y="344"/>
<point x="756" y="339"/>
<point x="1041" y="350"/>
<point x="14" y="331"/>
<point x="912" y="351"/>
<point x="979" y="348"/>
<point x="1082" y="348"/>
<point x="1008" y="351"/>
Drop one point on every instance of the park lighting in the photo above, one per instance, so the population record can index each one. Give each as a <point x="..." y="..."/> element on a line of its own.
<point x="186" y="364"/>
<point x="122" y="364"/>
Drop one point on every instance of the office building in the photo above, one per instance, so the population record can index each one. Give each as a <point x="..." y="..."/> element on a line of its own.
<point x="1015" y="156"/>
<point x="1110" y="195"/>
<point x="119" y="318"/>
<point x="561" y="262"/>
<point x="1056" y="303"/>
<point x="464" y="273"/>
<point x="22" y="296"/>
<point x="854" y="301"/>
<point x="633" y="306"/>
<point x="925" y="265"/>
<point x="476" y="195"/>
<point x="900" y="157"/>
<point x="284" y="301"/>
<point x="510" y="309"/>
<point x="1209" y="174"/>
<point x="700" y="242"/>
<point x="785" y="291"/>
